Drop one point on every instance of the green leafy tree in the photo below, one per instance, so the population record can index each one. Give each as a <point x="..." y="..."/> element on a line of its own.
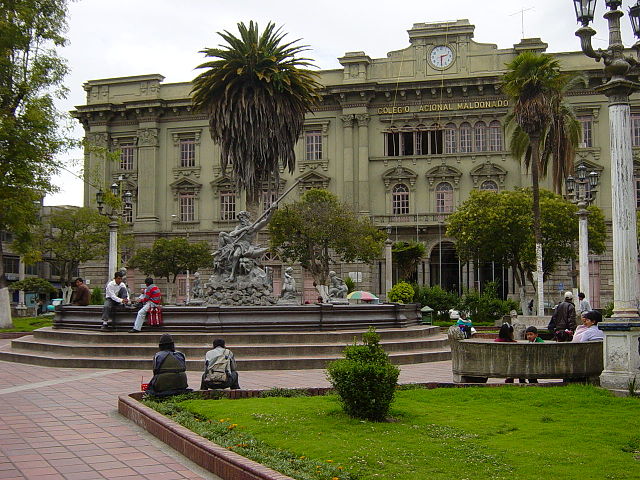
<point x="168" y="258"/>
<point x="317" y="229"/>
<point x="256" y="93"/>
<point x="72" y="236"/>
<point x="437" y="298"/>
<point x="496" y="227"/>
<point x="401" y="292"/>
<point x="34" y="285"/>
<point x="31" y="76"/>
<point x="533" y="82"/>
<point x="407" y="257"/>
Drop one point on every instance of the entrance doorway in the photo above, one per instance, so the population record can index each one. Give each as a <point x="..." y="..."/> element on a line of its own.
<point x="445" y="267"/>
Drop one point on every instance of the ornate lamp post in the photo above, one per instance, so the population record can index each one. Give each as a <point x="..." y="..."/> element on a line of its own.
<point x="622" y="332"/>
<point x="388" y="262"/>
<point x="113" y="214"/>
<point x="582" y="191"/>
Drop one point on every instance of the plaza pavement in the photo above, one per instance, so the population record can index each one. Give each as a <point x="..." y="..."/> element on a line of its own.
<point x="62" y="423"/>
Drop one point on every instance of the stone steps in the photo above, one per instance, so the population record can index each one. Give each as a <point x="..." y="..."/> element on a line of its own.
<point x="253" y="351"/>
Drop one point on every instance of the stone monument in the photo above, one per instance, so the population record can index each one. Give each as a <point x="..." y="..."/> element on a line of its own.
<point x="337" y="289"/>
<point x="289" y="295"/>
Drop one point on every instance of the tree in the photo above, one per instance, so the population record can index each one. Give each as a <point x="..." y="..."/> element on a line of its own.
<point x="407" y="256"/>
<point x="496" y="227"/>
<point x="318" y="228"/>
<point x="73" y="236"/>
<point x="168" y="258"/>
<point x="256" y="94"/>
<point x="34" y="285"/>
<point x="31" y="76"/>
<point x="529" y="81"/>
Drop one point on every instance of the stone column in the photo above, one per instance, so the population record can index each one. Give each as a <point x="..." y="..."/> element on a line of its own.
<point x="347" y="155"/>
<point x="21" y="308"/>
<point x="583" y="239"/>
<point x="388" y="267"/>
<point x="622" y="331"/>
<point x="363" y="163"/>
<point x="147" y="212"/>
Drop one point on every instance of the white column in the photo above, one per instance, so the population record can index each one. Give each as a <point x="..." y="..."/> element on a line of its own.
<point x="388" y="266"/>
<point x="113" y="248"/>
<point x="583" y="239"/>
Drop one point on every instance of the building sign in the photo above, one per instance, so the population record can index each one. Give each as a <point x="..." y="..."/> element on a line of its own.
<point x="442" y="107"/>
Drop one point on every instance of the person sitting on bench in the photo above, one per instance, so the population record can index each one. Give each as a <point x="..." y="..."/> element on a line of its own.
<point x="169" y="370"/>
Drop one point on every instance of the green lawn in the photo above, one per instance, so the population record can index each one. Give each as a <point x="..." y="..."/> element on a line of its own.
<point x="28" y="324"/>
<point x="573" y="432"/>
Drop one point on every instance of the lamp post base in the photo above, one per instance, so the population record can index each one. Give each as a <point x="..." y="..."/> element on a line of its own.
<point x="621" y="353"/>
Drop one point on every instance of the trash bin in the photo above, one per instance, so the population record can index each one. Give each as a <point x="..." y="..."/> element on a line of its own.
<point x="427" y="315"/>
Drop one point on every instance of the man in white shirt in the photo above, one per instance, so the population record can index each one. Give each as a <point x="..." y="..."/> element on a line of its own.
<point x="583" y="304"/>
<point x="116" y="293"/>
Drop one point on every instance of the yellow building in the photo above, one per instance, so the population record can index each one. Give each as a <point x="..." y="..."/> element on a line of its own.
<point x="403" y="139"/>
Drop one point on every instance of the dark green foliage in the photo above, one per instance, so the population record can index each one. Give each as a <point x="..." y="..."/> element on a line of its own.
<point x="438" y="299"/>
<point x="365" y="380"/>
<point x="351" y="285"/>
<point x="607" y="311"/>
<point x="256" y="91"/>
<point x="401" y="293"/>
<point x="318" y="229"/>
<point x="486" y="306"/>
<point x="96" y="296"/>
<point x="34" y="285"/>
<point x="284" y="392"/>
<point x="407" y="256"/>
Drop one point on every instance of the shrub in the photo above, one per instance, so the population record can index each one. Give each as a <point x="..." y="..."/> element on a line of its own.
<point x="437" y="298"/>
<point x="351" y="285"/>
<point x="365" y="380"/>
<point x="96" y="296"/>
<point x="486" y="307"/>
<point x="401" y="293"/>
<point x="607" y="311"/>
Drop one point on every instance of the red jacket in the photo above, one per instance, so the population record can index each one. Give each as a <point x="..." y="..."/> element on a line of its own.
<point x="152" y="294"/>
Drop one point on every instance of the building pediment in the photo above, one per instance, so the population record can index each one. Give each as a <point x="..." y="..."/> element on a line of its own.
<point x="443" y="173"/>
<point x="488" y="171"/>
<point x="185" y="184"/>
<point x="399" y="174"/>
<point x="312" y="180"/>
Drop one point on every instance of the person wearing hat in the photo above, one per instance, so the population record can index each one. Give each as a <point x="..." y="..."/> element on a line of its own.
<point x="589" y="331"/>
<point x="563" y="320"/>
<point x="169" y="370"/>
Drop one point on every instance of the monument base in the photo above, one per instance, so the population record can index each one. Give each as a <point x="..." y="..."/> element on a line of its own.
<point x="621" y="354"/>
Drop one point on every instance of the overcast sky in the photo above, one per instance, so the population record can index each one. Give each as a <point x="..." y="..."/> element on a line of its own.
<point x="134" y="37"/>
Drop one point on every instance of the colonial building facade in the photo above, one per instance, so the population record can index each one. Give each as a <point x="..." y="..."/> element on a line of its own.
<point x="402" y="139"/>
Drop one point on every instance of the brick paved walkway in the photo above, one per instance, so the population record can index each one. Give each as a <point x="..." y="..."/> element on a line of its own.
<point x="62" y="423"/>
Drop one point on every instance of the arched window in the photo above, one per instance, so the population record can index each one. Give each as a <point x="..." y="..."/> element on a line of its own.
<point x="480" y="137"/>
<point x="444" y="198"/>
<point x="495" y="136"/>
<point x="465" y="138"/>
<point x="489" y="185"/>
<point x="450" y="138"/>
<point x="400" y="199"/>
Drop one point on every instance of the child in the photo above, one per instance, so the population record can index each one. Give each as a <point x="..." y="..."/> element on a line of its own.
<point x="465" y="325"/>
<point x="532" y="335"/>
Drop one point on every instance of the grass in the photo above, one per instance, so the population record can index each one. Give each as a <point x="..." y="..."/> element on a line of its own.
<point x="28" y="324"/>
<point x="573" y="432"/>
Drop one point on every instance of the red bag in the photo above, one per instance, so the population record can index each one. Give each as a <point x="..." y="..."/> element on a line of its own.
<point x="155" y="316"/>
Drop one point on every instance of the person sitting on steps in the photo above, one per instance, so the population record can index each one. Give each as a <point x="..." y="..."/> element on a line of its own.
<point x="169" y="370"/>
<point x="116" y="293"/>
<point x="150" y="297"/>
<point x="219" y="368"/>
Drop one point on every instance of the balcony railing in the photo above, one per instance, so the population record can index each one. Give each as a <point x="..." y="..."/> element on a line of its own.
<point x="410" y="220"/>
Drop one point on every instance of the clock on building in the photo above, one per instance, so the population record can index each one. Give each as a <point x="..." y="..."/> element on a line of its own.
<point x="441" y="56"/>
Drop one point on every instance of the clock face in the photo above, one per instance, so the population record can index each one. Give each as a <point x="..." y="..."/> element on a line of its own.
<point x="441" y="56"/>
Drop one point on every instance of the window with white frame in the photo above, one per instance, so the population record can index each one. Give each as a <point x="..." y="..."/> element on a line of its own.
<point x="480" y="136"/>
<point x="187" y="206"/>
<point x="465" y="138"/>
<point x="187" y="152"/>
<point x="406" y="143"/>
<point x="444" y="198"/>
<point x="313" y="145"/>
<point x="495" y="136"/>
<point x="392" y="144"/>
<point x="400" y="199"/>
<point x="126" y="155"/>
<point x="586" y="122"/>
<point x="227" y="205"/>
<point x="450" y="138"/>
<point x="489" y="185"/>
<point x="635" y="129"/>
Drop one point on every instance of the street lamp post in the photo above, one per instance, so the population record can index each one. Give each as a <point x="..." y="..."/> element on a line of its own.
<point x="622" y="332"/>
<point x="582" y="191"/>
<point x="388" y="262"/>
<point x="113" y="214"/>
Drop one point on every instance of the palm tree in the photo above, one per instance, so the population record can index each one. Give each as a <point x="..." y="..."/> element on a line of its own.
<point x="256" y="93"/>
<point x="535" y="84"/>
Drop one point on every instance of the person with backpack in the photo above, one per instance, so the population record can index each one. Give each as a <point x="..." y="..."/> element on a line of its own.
<point x="219" y="368"/>
<point x="169" y="370"/>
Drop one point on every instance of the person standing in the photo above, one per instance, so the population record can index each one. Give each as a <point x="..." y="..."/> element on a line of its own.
<point x="81" y="294"/>
<point x="150" y="298"/>
<point x="563" y="320"/>
<point x="583" y="304"/>
<point x="115" y="293"/>
<point x="219" y="368"/>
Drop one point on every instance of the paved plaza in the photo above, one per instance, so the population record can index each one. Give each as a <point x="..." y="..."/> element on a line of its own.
<point x="62" y="423"/>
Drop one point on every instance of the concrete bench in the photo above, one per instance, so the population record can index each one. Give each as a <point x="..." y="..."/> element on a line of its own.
<point x="475" y="360"/>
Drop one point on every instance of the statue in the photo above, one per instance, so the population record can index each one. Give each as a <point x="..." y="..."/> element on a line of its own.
<point x="289" y="293"/>
<point x="239" y="244"/>
<point x="196" y="287"/>
<point x="337" y="289"/>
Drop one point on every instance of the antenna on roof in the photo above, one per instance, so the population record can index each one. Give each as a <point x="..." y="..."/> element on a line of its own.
<point x="521" y="12"/>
